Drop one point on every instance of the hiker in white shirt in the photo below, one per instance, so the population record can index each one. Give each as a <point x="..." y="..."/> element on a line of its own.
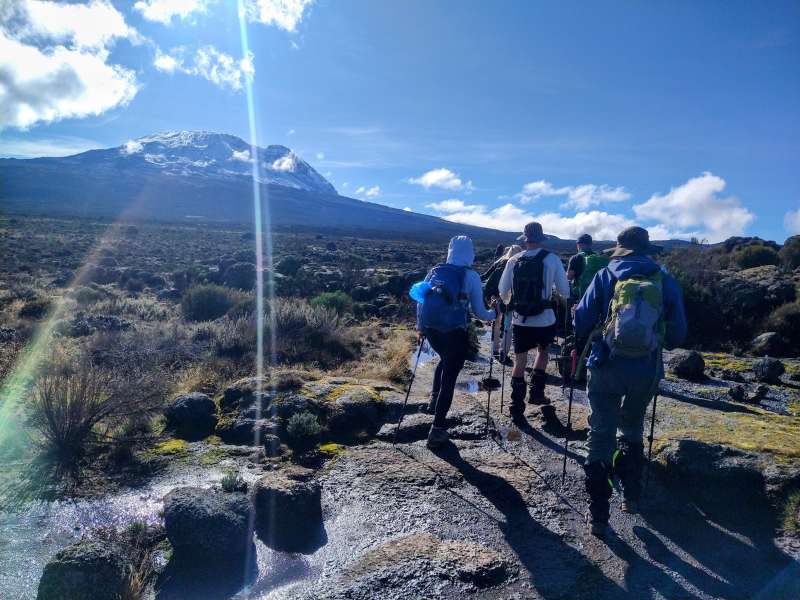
<point x="527" y="285"/>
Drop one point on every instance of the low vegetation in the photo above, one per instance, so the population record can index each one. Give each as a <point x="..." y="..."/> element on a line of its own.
<point x="303" y="431"/>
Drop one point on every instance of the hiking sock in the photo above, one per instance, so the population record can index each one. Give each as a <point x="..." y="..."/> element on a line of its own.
<point x="517" y="396"/>
<point x="599" y="487"/>
<point x="536" y="392"/>
<point x="628" y="463"/>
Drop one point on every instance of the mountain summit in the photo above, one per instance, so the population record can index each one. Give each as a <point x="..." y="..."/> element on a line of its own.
<point x="203" y="176"/>
<point x="208" y="154"/>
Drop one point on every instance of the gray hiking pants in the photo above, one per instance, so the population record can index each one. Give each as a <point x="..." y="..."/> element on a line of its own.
<point x="619" y="392"/>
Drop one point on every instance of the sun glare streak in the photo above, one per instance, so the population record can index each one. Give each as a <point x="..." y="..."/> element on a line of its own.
<point x="263" y="250"/>
<point x="18" y="383"/>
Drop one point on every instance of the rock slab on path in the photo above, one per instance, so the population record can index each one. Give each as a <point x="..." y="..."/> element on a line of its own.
<point x="85" y="570"/>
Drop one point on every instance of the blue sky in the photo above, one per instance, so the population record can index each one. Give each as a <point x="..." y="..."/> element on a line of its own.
<point x="680" y="116"/>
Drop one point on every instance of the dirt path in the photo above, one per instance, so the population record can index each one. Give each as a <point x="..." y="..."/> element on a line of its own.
<point x="488" y="518"/>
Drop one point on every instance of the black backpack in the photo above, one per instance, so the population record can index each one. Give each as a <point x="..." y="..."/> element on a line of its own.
<point x="528" y="285"/>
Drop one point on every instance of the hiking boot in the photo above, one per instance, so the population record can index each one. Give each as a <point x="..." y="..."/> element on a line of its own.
<point x="628" y="463"/>
<point x="597" y="528"/>
<point x="599" y="487"/>
<point x="437" y="437"/>
<point x="630" y="507"/>
<point x="517" y="408"/>
<point x="536" y="390"/>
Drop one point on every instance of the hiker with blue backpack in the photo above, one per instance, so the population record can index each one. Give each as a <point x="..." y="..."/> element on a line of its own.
<point x="630" y="311"/>
<point x="451" y="290"/>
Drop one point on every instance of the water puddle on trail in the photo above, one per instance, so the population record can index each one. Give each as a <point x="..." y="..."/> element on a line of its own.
<point x="30" y="536"/>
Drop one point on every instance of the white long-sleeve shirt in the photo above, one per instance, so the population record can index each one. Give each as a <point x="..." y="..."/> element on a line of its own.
<point x="555" y="278"/>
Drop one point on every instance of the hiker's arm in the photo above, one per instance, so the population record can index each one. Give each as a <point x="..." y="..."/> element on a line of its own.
<point x="674" y="314"/>
<point x="560" y="282"/>
<point x="474" y="291"/>
<point x="590" y="308"/>
<point x="572" y="272"/>
<point x="506" y="279"/>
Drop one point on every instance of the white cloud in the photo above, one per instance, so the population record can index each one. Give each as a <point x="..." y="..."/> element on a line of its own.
<point x="27" y="147"/>
<point x="163" y="11"/>
<point x="345" y="184"/>
<point x="695" y="209"/>
<point x="451" y="206"/>
<point x="580" y="196"/>
<point x="285" y="163"/>
<point x="791" y="221"/>
<point x="88" y="26"/>
<point x="242" y="155"/>
<point x="441" y="178"/>
<point x="509" y="217"/>
<point x="371" y="192"/>
<point x="320" y="156"/>
<point x="132" y="147"/>
<point x="165" y="62"/>
<point x="290" y="132"/>
<point x="54" y="61"/>
<point x="285" y="14"/>
<point x="408" y="209"/>
<point x="217" y="67"/>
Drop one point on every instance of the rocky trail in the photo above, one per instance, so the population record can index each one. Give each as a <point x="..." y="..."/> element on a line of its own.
<point x="486" y="517"/>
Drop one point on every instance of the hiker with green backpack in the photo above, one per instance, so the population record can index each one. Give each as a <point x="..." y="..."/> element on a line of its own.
<point x="630" y="311"/>
<point x="583" y="265"/>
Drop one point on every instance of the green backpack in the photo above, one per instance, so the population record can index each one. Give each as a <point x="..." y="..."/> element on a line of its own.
<point x="635" y="324"/>
<point x="592" y="263"/>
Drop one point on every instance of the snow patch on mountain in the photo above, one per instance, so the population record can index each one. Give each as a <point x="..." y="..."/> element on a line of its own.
<point x="208" y="154"/>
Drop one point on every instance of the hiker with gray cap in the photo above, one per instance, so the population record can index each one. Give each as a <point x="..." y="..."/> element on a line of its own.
<point x="527" y="284"/>
<point x="630" y="311"/>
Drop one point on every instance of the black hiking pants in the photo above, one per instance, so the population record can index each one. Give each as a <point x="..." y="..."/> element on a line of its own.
<point x="452" y="348"/>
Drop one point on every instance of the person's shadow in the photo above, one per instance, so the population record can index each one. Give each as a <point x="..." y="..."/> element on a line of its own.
<point x="734" y="542"/>
<point x="556" y="569"/>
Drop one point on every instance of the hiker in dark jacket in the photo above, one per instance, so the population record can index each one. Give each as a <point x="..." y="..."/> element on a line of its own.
<point x="501" y="338"/>
<point x="623" y="377"/>
<point x="448" y="338"/>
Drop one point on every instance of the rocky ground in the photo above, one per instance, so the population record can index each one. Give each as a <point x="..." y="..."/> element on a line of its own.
<point x="487" y="517"/>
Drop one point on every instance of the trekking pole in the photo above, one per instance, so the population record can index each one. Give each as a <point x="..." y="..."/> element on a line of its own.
<point x="488" y="382"/>
<point x="503" y="357"/>
<point x="408" y="391"/>
<point x="659" y="369"/>
<point x="574" y="356"/>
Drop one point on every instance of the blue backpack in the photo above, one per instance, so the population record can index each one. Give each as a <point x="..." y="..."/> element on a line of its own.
<point x="444" y="308"/>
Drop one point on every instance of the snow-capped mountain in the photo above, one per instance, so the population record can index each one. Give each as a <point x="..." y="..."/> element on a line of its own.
<point x="206" y="154"/>
<point x="201" y="176"/>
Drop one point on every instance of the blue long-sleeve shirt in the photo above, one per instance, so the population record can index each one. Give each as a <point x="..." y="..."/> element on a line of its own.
<point x="593" y="307"/>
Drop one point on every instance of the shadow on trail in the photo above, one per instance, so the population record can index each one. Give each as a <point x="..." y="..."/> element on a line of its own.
<point x="556" y="569"/>
<point x="733" y="542"/>
<point x="525" y="427"/>
<point x="720" y="405"/>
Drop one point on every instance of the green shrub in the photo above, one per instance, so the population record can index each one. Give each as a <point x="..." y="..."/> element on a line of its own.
<point x="337" y="301"/>
<point x="65" y="408"/>
<point x="755" y="256"/>
<point x="232" y="482"/>
<point x="790" y="253"/>
<point x="89" y="295"/>
<point x="786" y="321"/>
<point x="208" y="302"/>
<point x="34" y="309"/>
<point x="302" y="431"/>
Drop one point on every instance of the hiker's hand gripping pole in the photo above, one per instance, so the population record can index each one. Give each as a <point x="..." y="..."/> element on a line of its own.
<point x="408" y="391"/>
<point x="568" y="431"/>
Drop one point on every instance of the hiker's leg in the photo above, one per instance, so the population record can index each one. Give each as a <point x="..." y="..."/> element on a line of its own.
<point x="437" y="385"/>
<point x="453" y="359"/>
<point x="520" y="362"/>
<point x="604" y="403"/>
<point x="629" y="458"/>
<point x="496" y="328"/>
<point x="542" y="337"/>
<point x="605" y="398"/>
